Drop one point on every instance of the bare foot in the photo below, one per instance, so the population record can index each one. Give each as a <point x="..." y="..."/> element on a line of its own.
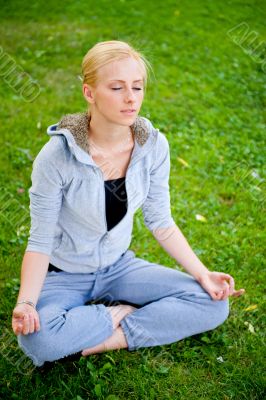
<point x="119" y="312"/>
<point x="116" y="341"/>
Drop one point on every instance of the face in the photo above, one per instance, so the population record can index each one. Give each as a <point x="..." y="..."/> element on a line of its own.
<point x="120" y="88"/>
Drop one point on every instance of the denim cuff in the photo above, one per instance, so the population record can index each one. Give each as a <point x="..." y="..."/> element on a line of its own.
<point x="127" y="334"/>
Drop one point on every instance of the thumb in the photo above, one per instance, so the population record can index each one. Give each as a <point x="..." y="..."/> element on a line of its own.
<point x="18" y="313"/>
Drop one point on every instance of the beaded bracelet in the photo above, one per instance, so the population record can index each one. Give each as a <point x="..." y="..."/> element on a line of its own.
<point x="27" y="302"/>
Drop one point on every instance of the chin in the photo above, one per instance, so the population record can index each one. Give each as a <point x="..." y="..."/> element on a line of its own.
<point x="127" y="120"/>
<point x="129" y="117"/>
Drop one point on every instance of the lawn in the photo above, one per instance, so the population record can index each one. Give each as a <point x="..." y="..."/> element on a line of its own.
<point x="207" y="95"/>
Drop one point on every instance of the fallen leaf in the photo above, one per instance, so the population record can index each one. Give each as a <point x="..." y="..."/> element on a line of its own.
<point x="39" y="53"/>
<point x="183" y="162"/>
<point x="200" y="218"/>
<point x="251" y="308"/>
<point x="250" y="327"/>
<point x="255" y="175"/>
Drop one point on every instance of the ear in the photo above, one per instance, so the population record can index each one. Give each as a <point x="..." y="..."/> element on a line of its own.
<point x="88" y="93"/>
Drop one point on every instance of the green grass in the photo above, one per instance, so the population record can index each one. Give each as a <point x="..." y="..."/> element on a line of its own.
<point x="208" y="97"/>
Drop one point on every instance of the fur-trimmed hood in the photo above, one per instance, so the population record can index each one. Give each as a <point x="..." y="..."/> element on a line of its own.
<point x="75" y="129"/>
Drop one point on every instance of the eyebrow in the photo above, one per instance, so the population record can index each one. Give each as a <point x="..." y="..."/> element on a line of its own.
<point x="120" y="80"/>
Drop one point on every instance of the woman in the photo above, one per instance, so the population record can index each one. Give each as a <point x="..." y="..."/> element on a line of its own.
<point x="88" y="180"/>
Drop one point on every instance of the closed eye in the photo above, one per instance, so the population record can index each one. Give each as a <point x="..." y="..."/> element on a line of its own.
<point x="121" y="88"/>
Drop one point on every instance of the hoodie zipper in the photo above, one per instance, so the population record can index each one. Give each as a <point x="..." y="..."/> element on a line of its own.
<point x="103" y="195"/>
<point x="131" y="163"/>
<point x="103" y="187"/>
<point x="104" y="208"/>
<point x="104" y="203"/>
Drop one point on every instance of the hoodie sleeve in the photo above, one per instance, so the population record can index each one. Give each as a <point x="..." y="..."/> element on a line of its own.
<point x="157" y="208"/>
<point x="45" y="196"/>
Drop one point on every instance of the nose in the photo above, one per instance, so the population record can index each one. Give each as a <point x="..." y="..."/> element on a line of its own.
<point x="130" y="96"/>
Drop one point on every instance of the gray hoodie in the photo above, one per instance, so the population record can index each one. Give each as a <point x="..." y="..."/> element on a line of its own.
<point x="67" y="195"/>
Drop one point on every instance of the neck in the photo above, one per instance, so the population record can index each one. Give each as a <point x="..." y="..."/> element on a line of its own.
<point x="106" y="134"/>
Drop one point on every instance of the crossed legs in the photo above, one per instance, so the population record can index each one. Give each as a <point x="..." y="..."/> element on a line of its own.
<point x="172" y="306"/>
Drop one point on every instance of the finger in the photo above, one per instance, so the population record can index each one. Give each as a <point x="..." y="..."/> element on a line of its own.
<point x="229" y="280"/>
<point x="238" y="293"/>
<point x="221" y="294"/>
<point x="226" y="293"/>
<point x="212" y="294"/>
<point x="31" y="323"/>
<point x="37" y="323"/>
<point x="17" y="327"/>
<point x="14" y="324"/>
<point x="17" y="324"/>
<point x="217" y="295"/>
<point x="231" y="284"/>
<point x="25" y="329"/>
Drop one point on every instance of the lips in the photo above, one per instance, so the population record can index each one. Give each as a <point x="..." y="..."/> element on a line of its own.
<point x="128" y="111"/>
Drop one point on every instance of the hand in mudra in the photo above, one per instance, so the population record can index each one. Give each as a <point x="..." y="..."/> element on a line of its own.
<point x="25" y="319"/>
<point x="219" y="285"/>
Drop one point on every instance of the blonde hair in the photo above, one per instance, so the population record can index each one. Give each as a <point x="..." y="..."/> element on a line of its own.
<point x="104" y="52"/>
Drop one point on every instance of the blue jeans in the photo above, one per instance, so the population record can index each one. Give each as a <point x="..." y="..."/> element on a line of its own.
<point x="172" y="305"/>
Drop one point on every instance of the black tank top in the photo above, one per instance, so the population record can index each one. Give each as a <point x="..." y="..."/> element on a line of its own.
<point x="115" y="201"/>
<point x="115" y="205"/>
